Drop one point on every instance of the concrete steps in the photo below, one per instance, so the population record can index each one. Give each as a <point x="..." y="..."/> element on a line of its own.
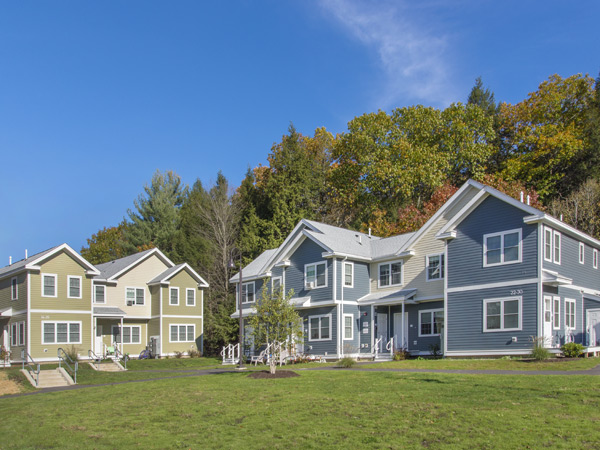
<point x="107" y="366"/>
<point x="50" y="378"/>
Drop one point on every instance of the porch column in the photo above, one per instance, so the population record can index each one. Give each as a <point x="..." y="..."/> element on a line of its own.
<point x="402" y="327"/>
<point x="95" y="336"/>
<point x="372" y="326"/>
<point x="121" y="334"/>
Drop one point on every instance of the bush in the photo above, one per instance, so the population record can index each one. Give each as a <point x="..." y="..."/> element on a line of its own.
<point x="572" y="350"/>
<point x="346" y="362"/>
<point x="400" y="355"/>
<point x="538" y="351"/>
<point x="178" y="355"/>
<point x="193" y="353"/>
<point x="73" y="353"/>
<point x="434" y="349"/>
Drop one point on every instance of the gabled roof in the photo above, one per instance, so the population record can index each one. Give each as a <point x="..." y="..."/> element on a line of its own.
<point x="33" y="261"/>
<point x="256" y="268"/>
<point x="172" y="271"/>
<point x="115" y="268"/>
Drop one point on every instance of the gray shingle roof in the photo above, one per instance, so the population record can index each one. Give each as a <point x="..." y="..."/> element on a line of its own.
<point x="256" y="267"/>
<point x="389" y="246"/>
<point x="166" y="273"/>
<point x="111" y="268"/>
<point x="108" y="311"/>
<point x="16" y="266"/>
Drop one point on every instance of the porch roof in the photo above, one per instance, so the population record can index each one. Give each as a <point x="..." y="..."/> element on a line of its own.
<point x="554" y="278"/>
<point x="108" y="311"/>
<point x="6" y="312"/>
<point x="387" y="297"/>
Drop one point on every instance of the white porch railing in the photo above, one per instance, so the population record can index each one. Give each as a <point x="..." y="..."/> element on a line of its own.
<point x="231" y="354"/>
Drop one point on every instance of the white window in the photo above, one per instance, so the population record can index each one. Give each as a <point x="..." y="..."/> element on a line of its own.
<point x="431" y="322"/>
<point x="502" y="314"/>
<point x="435" y="267"/>
<point x="14" y="288"/>
<point x="502" y="248"/>
<point x="390" y="274"/>
<point x="61" y="332"/>
<point x="74" y="287"/>
<point x="595" y="258"/>
<point x="548" y="244"/>
<point x="557" y="237"/>
<point x="348" y="274"/>
<point x="581" y="253"/>
<point x="319" y="328"/>
<point x="99" y="294"/>
<point x="276" y="285"/>
<point x="134" y="296"/>
<point x="132" y="334"/>
<point x="569" y="313"/>
<point x="182" y="333"/>
<point x="190" y="297"/>
<point x="348" y="327"/>
<point x="17" y="334"/>
<point x="315" y="275"/>
<point x="48" y="285"/>
<point x="248" y="292"/>
<point x="174" y="296"/>
<point x="556" y="314"/>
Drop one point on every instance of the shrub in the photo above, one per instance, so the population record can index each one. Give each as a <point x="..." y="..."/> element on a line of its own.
<point x="400" y="355"/>
<point x="434" y="349"/>
<point x="193" y="353"/>
<point x="346" y="362"/>
<point x="538" y="351"/>
<point x="178" y="355"/>
<point x="72" y="352"/>
<point x="572" y="350"/>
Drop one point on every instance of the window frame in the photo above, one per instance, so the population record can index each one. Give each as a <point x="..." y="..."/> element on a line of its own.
<point x="17" y="334"/>
<point x="555" y="313"/>
<point x="186" y="325"/>
<point x="555" y="235"/>
<point x="581" y="253"/>
<point x="135" y="290"/>
<point x="51" y="275"/>
<point x="14" y="288"/>
<point x="96" y="286"/>
<point x="442" y="266"/>
<point x="245" y="293"/>
<point x="130" y="327"/>
<point x="351" y="316"/>
<point x="74" y="277"/>
<point x="316" y="264"/>
<point x="432" y="312"/>
<point x="595" y="258"/>
<point x="273" y="285"/>
<point x="502" y="300"/>
<point x="573" y="302"/>
<point x="171" y="290"/>
<point x="56" y="322"/>
<point x="502" y="235"/>
<point x="351" y="265"/>
<point x="320" y="338"/>
<point x="389" y="263"/>
<point x="548" y="244"/>
<point x="187" y="298"/>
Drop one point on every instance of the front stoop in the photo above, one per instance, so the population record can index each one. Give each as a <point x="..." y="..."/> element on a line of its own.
<point x="108" y="366"/>
<point x="50" y="378"/>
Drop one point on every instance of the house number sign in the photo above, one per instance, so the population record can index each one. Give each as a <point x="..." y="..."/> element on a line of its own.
<point x="516" y="292"/>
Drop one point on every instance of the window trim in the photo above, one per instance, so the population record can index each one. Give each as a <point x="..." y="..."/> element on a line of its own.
<point x="14" y="288"/>
<point x="351" y="338"/>
<point x="574" y="303"/>
<point x="389" y="263"/>
<point x="187" y="303"/>
<point x="171" y="290"/>
<point x="135" y="303"/>
<point x="351" y="265"/>
<point x="68" y="322"/>
<point x="548" y="243"/>
<point x="595" y="259"/>
<point x="502" y="300"/>
<point x="237" y="293"/>
<point x="95" y="294"/>
<point x="432" y="312"/>
<point x="555" y="313"/>
<point x="52" y="275"/>
<point x="556" y="234"/>
<point x="117" y="327"/>
<point x="186" y="325"/>
<point x="581" y="253"/>
<point x="319" y="316"/>
<point x="74" y="277"/>
<point x="17" y="334"/>
<point x="442" y="268"/>
<point x="502" y="234"/>
<point x="316" y="264"/>
<point x="280" y="284"/>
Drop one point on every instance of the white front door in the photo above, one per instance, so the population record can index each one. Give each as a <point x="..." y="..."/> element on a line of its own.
<point x="593" y="322"/>
<point x="382" y="330"/>
<point x="99" y="344"/>
<point x="5" y="340"/>
<point x="547" y="321"/>
<point x="400" y="331"/>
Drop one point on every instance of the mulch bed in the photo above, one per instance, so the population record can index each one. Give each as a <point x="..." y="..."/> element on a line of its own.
<point x="278" y="374"/>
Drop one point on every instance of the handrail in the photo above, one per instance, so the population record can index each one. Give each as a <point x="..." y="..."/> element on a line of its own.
<point x="65" y="358"/>
<point x="229" y="352"/>
<point x="390" y="345"/>
<point x="122" y="357"/>
<point x="25" y="361"/>
<point x="94" y="357"/>
<point x="375" y="348"/>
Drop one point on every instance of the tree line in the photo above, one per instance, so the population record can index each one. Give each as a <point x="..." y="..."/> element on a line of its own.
<point x="390" y="171"/>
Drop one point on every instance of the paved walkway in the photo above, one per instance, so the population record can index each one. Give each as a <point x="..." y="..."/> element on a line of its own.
<point x="184" y="373"/>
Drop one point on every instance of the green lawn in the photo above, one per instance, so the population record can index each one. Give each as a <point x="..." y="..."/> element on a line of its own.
<point x="319" y="409"/>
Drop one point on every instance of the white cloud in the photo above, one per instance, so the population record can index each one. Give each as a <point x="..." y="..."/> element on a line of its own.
<point x="414" y="60"/>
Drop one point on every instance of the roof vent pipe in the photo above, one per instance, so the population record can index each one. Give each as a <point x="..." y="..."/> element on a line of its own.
<point x="521" y="196"/>
<point x="528" y="199"/>
<point x="25" y="253"/>
<point x="369" y="231"/>
<point x="10" y="260"/>
<point x="561" y="217"/>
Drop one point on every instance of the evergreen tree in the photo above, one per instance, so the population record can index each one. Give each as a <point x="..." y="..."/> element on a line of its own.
<point x="483" y="97"/>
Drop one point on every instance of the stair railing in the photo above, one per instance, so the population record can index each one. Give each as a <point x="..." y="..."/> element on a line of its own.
<point x="375" y="348"/>
<point x="121" y="357"/>
<point x="65" y="359"/>
<point x="231" y="353"/>
<point x="35" y="373"/>
<point x="94" y="358"/>
<point x="390" y="345"/>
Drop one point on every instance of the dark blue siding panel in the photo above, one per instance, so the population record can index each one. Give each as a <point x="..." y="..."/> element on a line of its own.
<point x="365" y="338"/>
<point x="258" y="287"/>
<point x="465" y="252"/>
<point x="587" y="305"/>
<point x="329" y="347"/>
<point x="361" y="281"/>
<point x="308" y="252"/>
<point x="351" y="346"/>
<point x="464" y="320"/>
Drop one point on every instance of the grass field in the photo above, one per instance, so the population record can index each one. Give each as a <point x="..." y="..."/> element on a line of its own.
<point x="319" y="409"/>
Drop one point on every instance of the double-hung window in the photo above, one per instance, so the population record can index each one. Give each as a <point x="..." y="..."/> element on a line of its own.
<point x="174" y="296"/>
<point x="390" y="274"/>
<point x="556" y="314"/>
<point x="74" y="287"/>
<point x="435" y="267"/>
<point x="319" y="328"/>
<point x="48" y="285"/>
<point x="17" y="334"/>
<point x="190" y="297"/>
<point x="348" y="274"/>
<point x="61" y="332"/>
<point x="502" y="248"/>
<point x="348" y="327"/>
<point x="14" y="288"/>
<point x="131" y="334"/>
<point x="431" y="322"/>
<point x="315" y="275"/>
<point x="581" y="253"/>
<point x="134" y="296"/>
<point x="552" y="246"/>
<point x="569" y="313"/>
<point x="182" y="333"/>
<point x="248" y="292"/>
<point x="99" y="293"/>
<point x="502" y="314"/>
<point x="595" y="258"/>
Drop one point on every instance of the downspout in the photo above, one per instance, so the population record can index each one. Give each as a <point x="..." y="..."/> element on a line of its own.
<point x="342" y="328"/>
<point x="28" y="313"/>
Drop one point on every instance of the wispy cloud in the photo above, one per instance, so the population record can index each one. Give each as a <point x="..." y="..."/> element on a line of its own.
<point x="413" y="59"/>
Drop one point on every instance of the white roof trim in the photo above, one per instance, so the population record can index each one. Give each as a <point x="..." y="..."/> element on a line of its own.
<point x="140" y="260"/>
<point x="6" y="312"/>
<point x="554" y="278"/>
<point x="201" y="281"/>
<point x="555" y="223"/>
<point x="462" y="214"/>
<point x="91" y="269"/>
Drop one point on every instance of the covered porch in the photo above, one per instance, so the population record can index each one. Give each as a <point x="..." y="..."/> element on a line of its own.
<point x="108" y="326"/>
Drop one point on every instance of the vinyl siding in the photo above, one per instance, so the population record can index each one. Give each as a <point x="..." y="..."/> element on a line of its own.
<point x="351" y="346"/>
<point x="307" y="253"/>
<point x="42" y="351"/>
<point x="365" y="338"/>
<point x="183" y="281"/>
<point x="361" y="281"/>
<point x="6" y="293"/>
<point x="588" y="305"/>
<point x="329" y="347"/>
<point x="573" y="294"/>
<point x="168" y="347"/>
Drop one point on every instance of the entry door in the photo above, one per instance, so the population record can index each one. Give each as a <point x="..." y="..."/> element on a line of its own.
<point x="400" y="331"/>
<point x="593" y="320"/>
<point x="99" y="344"/>
<point x="547" y="321"/>
<point x="5" y="340"/>
<point x="382" y="330"/>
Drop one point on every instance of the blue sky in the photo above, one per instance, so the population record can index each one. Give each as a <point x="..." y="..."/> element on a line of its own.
<point x="95" y="96"/>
